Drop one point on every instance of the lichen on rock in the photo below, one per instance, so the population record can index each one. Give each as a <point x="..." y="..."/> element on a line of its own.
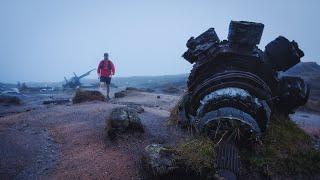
<point x="122" y="120"/>
<point x="192" y="159"/>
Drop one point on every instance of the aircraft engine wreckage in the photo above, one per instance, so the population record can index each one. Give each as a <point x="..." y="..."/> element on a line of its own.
<point x="236" y="86"/>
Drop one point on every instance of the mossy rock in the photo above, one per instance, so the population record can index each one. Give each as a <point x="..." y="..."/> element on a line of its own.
<point x="123" y="120"/>
<point x="193" y="159"/>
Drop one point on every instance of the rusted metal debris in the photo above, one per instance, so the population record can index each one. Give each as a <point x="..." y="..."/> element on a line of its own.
<point x="235" y="86"/>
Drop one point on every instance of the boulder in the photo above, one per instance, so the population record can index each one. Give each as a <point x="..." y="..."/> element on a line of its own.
<point x="192" y="159"/>
<point x="9" y="100"/>
<point x="122" y="120"/>
<point x="137" y="107"/>
<point x="159" y="161"/>
<point x="120" y="94"/>
<point x="132" y="89"/>
<point x="85" y="96"/>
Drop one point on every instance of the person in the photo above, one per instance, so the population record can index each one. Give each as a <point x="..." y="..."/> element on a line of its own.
<point x="105" y="70"/>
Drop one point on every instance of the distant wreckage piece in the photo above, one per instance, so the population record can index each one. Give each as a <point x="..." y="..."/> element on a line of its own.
<point x="74" y="82"/>
<point x="234" y="87"/>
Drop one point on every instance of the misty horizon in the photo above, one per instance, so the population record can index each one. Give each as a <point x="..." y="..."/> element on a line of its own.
<point x="43" y="41"/>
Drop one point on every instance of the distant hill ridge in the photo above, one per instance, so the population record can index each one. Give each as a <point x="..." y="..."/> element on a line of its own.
<point x="305" y="68"/>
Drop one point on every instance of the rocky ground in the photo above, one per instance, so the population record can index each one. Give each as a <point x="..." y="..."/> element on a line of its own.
<point x="69" y="141"/>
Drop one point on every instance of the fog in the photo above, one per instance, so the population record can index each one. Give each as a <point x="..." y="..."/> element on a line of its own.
<point x="45" y="40"/>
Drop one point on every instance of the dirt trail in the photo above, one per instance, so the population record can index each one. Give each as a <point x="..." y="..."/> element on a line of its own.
<point x="68" y="141"/>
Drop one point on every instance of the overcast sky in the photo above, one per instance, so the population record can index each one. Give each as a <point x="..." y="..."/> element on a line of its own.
<point x="44" y="40"/>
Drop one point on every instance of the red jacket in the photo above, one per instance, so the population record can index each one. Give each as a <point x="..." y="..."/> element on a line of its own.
<point x="106" y="68"/>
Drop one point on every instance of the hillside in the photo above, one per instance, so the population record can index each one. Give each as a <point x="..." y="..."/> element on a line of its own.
<point x="310" y="72"/>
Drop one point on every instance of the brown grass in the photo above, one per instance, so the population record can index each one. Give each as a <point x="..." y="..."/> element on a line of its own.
<point x="287" y="151"/>
<point x="198" y="155"/>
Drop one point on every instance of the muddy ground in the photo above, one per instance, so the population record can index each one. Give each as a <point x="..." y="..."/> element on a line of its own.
<point x="69" y="141"/>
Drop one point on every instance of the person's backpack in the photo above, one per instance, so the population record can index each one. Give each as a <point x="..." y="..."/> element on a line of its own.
<point x="108" y="65"/>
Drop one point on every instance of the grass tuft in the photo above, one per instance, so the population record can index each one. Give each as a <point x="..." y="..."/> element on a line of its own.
<point x="174" y="114"/>
<point x="198" y="155"/>
<point x="287" y="151"/>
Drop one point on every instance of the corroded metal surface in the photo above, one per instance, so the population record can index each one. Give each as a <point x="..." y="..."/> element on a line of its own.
<point x="234" y="86"/>
<point x="236" y="74"/>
